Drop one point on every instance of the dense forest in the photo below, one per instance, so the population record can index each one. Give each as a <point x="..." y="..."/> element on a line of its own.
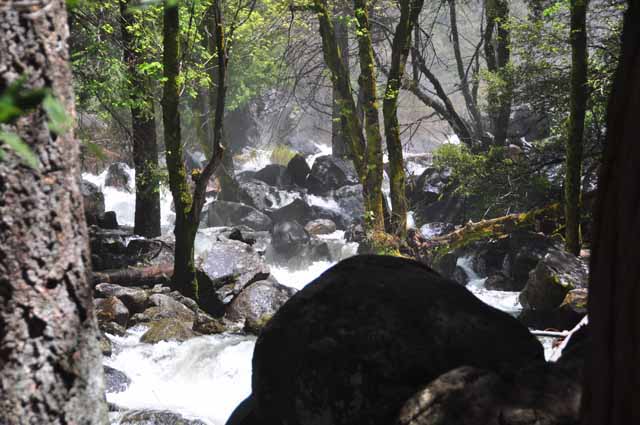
<point x="309" y="212"/>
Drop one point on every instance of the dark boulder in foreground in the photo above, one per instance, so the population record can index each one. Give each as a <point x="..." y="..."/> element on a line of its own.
<point x="540" y="393"/>
<point x="356" y="343"/>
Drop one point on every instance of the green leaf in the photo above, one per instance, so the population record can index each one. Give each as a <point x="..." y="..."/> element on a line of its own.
<point x="20" y="148"/>
<point x="59" y="121"/>
<point x="95" y="150"/>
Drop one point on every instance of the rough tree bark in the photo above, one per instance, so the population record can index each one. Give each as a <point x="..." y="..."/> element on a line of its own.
<point x="368" y="83"/>
<point x="577" y="109"/>
<point x="188" y="204"/>
<point x="498" y="57"/>
<point x="50" y="364"/>
<point x="339" y="145"/>
<point x="143" y="123"/>
<point x="611" y="393"/>
<point x="409" y="13"/>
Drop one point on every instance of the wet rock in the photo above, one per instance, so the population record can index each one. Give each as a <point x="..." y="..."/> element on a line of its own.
<point x="115" y="380"/>
<point x="297" y="210"/>
<point x="549" y="283"/>
<point x="566" y="316"/>
<point x="93" y="200"/>
<point x="545" y="394"/>
<point x="288" y="237"/>
<point x="257" y="304"/>
<point x="222" y="213"/>
<point x="108" y="220"/>
<point x="112" y="328"/>
<point x="226" y="269"/>
<point x="152" y="251"/>
<point x="320" y="227"/>
<point x="108" y="250"/>
<point x="207" y="325"/>
<point x="356" y="343"/>
<point x="355" y="233"/>
<point x="429" y="186"/>
<point x="156" y="417"/>
<point x="105" y="345"/>
<point x="258" y="194"/>
<point x="118" y="177"/>
<point x="134" y="299"/>
<point x="330" y="173"/>
<point x="171" y="329"/>
<point x="298" y="170"/>
<point x="350" y="199"/>
<point x="171" y="308"/>
<point x="341" y="220"/>
<point x="111" y="310"/>
<point x="274" y="175"/>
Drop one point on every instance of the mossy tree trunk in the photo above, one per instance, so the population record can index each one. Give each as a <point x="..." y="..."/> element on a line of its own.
<point x="611" y="393"/>
<point x="497" y="46"/>
<point x="339" y="145"/>
<point x="143" y="123"/>
<point x="188" y="205"/>
<point x="368" y="83"/>
<point x="409" y="13"/>
<point x="50" y="363"/>
<point x="578" y="105"/>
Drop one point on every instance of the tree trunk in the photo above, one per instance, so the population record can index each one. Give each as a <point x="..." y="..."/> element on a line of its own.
<point x="373" y="182"/>
<point x="611" y="393"/>
<point x="578" y="106"/>
<point x="143" y="122"/>
<point x="50" y="364"/>
<point x="339" y="145"/>
<point x="184" y="276"/>
<point x="189" y="205"/>
<point x="499" y="98"/>
<point x="409" y="13"/>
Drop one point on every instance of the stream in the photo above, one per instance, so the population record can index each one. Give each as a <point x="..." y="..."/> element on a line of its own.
<point x="206" y="377"/>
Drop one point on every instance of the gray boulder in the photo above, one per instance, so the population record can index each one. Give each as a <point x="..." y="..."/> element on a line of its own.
<point x="350" y="199"/>
<point x="111" y="310"/>
<point x="289" y="237"/>
<point x="168" y="330"/>
<point x="115" y="380"/>
<point x="93" y="200"/>
<point x="135" y="299"/>
<point x="356" y="343"/>
<point x="257" y="304"/>
<point x="320" y="226"/>
<point x="118" y="177"/>
<point x="330" y="173"/>
<point x="156" y="417"/>
<point x="549" y="283"/>
<point x="226" y="269"/>
<point x="222" y="213"/>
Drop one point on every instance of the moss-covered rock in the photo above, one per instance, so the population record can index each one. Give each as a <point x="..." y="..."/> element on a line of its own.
<point x="168" y="330"/>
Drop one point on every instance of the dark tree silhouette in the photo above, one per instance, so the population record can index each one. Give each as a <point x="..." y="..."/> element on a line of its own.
<point x="612" y="387"/>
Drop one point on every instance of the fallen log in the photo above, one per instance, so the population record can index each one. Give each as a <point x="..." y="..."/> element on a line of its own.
<point x="135" y="276"/>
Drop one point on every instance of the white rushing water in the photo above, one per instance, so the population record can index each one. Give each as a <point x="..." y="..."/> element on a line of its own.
<point x="502" y="300"/>
<point x="204" y="378"/>
<point x="124" y="203"/>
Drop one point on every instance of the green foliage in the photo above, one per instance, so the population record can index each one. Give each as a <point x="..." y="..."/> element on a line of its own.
<point x="17" y="100"/>
<point x="500" y="181"/>
<point x="282" y="154"/>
